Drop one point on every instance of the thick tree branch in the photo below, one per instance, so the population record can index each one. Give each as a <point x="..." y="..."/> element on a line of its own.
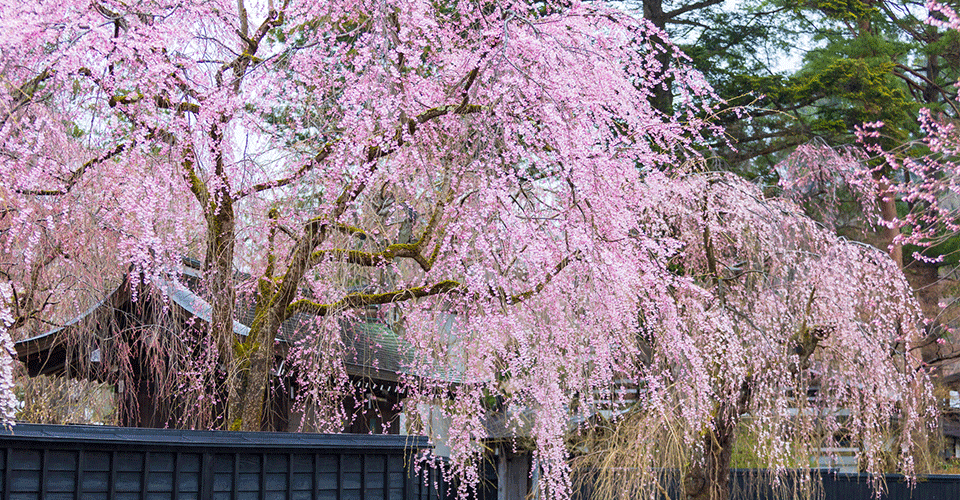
<point x="520" y="297"/>
<point x="241" y="62"/>
<point x="197" y="186"/>
<point x="373" y="259"/>
<point x="160" y="101"/>
<point x="366" y="259"/>
<point x="456" y="109"/>
<point x="374" y="153"/>
<point x="687" y="22"/>
<point x="942" y="358"/>
<point x="366" y="299"/>
<point x="947" y="98"/>
<point x="773" y="148"/>
<point x="687" y="8"/>
<point x="24" y="93"/>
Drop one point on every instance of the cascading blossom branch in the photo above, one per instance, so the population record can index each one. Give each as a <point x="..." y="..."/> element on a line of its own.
<point x="951" y="21"/>
<point x="490" y="176"/>
<point x="723" y="308"/>
<point x="926" y="183"/>
<point x="8" y="401"/>
<point x="761" y="325"/>
<point x="823" y="179"/>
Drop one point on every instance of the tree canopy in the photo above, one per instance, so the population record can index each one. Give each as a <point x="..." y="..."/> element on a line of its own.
<point x="501" y="167"/>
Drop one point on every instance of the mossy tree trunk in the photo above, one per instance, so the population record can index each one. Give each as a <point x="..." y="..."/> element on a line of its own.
<point x="710" y="479"/>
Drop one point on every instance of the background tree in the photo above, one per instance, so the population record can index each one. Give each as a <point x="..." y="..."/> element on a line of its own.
<point x="823" y="69"/>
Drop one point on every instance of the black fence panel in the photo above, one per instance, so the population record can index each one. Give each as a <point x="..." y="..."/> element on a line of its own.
<point x="825" y="485"/>
<point x="828" y="485"/>
<point x="856" y="486"/>
<point x="47" y="462"/>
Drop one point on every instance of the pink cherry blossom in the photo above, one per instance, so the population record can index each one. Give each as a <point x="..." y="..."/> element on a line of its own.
<point x="490" y="177"/>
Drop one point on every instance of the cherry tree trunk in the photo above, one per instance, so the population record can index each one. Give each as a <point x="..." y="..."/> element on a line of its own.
<point x="221" y="229"/>
<point x="710" y="480"/>
<point x="258" y="352"/>
<point x="888" y="212"/>
<point x="259" y="348"/>
<point x="255" y="387"/>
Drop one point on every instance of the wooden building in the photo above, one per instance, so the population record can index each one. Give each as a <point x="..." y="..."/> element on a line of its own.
<point x="123" y="332"/>
<point x="117" y="333"/>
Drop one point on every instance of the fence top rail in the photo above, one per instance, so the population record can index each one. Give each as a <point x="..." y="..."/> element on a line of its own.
<point x="59" y="435"/>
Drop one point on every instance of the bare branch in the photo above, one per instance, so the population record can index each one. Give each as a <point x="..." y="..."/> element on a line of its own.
<point x="75" y="176"/>
<point x="307" y="167"/>
<point x="687" y="8"/>
<point x="520" y="297"/>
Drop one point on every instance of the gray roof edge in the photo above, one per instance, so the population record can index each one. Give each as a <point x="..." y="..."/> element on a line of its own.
<point x="77" y="319"/>
<point x="176" y="292"/>
<point x="194" y="304"/>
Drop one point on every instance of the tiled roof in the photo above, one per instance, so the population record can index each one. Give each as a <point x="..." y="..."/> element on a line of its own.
<point x="372" y="348"/>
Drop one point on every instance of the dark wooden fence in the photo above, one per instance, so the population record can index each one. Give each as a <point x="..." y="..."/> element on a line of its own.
<point x="48" y="462"/>
<point x="853" y="486"/>
<point x="826" y="485"/>
<point x="749" y="485"/>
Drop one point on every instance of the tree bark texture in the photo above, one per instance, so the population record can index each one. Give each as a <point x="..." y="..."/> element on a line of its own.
<point x="221" y="229"/>
<point x="662" y="98"/>
<point x="888" y="212"/>
<point x="710" y="479"/>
